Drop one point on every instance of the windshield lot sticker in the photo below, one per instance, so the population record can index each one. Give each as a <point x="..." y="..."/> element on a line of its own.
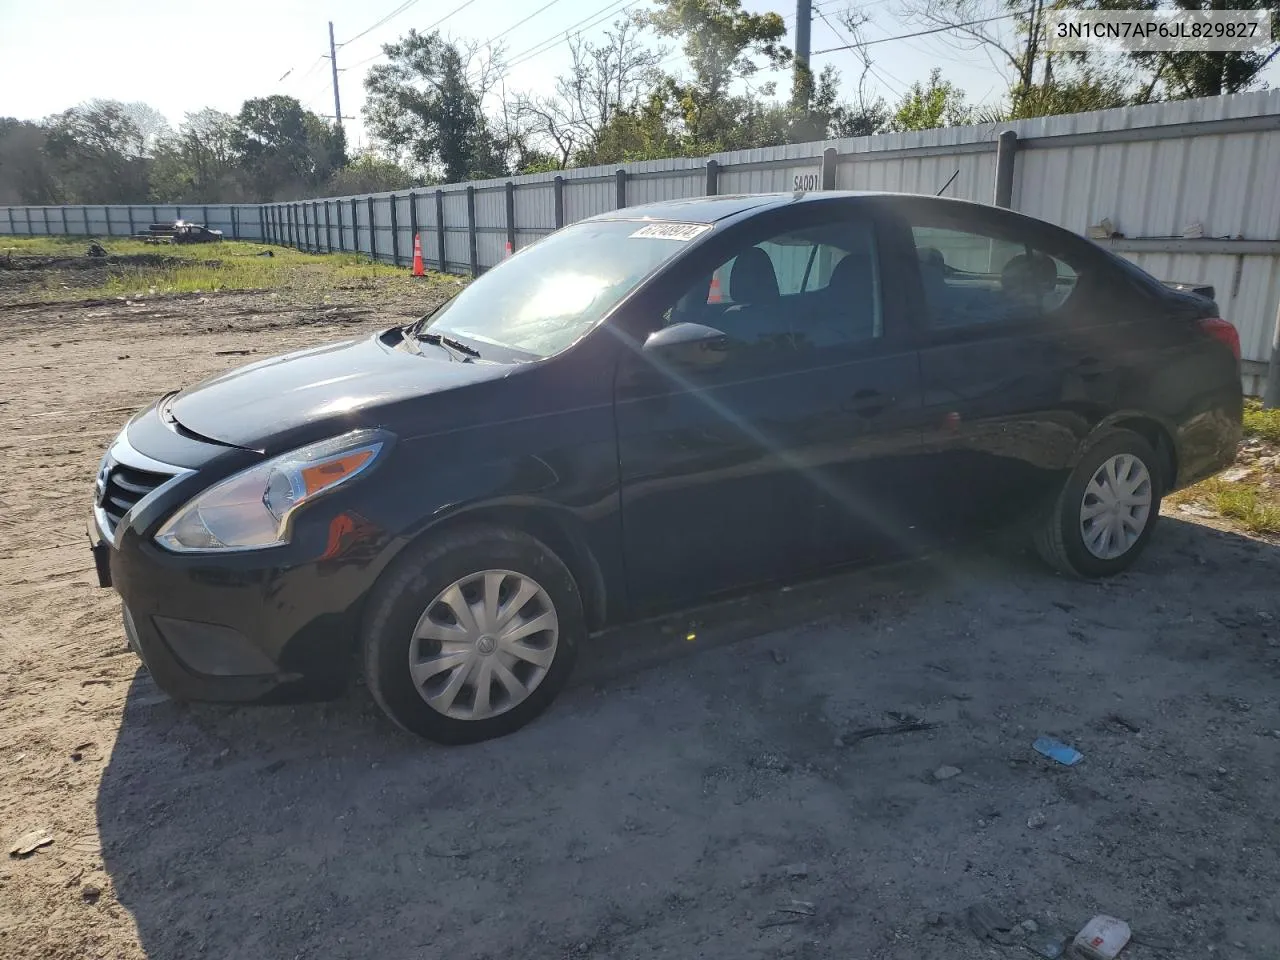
<point x="684" y="232"/>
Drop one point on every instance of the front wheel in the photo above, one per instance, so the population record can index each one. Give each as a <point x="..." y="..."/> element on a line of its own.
<point x="472" y="636"/>
<point x="1102" y="518"/>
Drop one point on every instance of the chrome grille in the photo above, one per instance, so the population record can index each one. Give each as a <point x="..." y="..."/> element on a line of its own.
<point x="124" y="487"/>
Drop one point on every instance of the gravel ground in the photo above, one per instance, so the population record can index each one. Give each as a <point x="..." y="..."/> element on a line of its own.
<point x="704" y="798"/>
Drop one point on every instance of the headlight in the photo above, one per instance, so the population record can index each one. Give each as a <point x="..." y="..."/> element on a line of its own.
<point x="251" y="510"/>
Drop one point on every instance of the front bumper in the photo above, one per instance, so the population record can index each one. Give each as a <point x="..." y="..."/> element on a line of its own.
<point x="269" y="625"/>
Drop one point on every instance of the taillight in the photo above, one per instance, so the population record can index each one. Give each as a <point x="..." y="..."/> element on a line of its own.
<point x="1222" y="330"/>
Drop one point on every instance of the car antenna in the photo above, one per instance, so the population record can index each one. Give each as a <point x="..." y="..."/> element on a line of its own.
<point x="947" y="184"/>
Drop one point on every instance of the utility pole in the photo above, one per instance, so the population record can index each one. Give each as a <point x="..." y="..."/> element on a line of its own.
<point x="802" y="86"/>
<point x="333" y="62"/>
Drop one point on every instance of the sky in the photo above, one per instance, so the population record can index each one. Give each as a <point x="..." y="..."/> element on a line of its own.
<point x="181" y="56"/>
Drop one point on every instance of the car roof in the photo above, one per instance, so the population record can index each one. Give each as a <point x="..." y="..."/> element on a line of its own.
<point x="716" y="208"/>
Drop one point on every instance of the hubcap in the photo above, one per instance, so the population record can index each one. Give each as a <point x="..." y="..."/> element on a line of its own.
<point x="483" y="645"/>
<point x="1116" y="507"/>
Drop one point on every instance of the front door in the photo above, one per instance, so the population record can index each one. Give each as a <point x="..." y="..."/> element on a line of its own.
<point x="789" y="453"/>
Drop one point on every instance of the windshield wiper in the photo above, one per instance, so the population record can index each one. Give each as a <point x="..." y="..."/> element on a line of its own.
<point x="449" y="343"/>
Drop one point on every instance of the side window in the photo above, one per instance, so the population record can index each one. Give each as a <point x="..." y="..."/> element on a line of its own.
<point x="810" y="288"/>
<point x="972" y="278"/>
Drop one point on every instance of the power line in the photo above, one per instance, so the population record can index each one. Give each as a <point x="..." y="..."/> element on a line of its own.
<point x="399" y="10"/>
<point x="562" y="36"/>
<point x="519" y="23"/>
<point x="922" y="33"/>
<point x="374" y="26"/>
<point x="840" y="34"/>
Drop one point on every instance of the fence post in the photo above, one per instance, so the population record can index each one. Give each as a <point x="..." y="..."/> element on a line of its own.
<point x="1006" y="158"/>
<point x="342" y="240"/>
<point x="511" y="218"/>
<point x="290" y="232"/>
<point x="132" y="227"/>
<point x="829" y="160"/>
<point x="204" y="215"/>
<point x="12" y="229"/>
<point x="262" y="224"/>
<point x="471" y="231"/>
<point x="300" y="229"/>
<point x="235" y="223"/>
<point x="355" y="228"/>
<point x="44" y="212"/>
<point x="27" y="213"/>
<point x="413" y="216"/>
<point x="559" y="193"/>
<point x="84" y="213"/>
<point x="328" y="229"/>
<point x="620" y="181"/>
<point x="395" y="232"/>
<point x="106" y="212"/>
<point x="373" y="232"/>
<point x="65" y="230"/>
<point x="713" y="177"/>
<point x="440" y="230"/>
<point x="155" y="214"/>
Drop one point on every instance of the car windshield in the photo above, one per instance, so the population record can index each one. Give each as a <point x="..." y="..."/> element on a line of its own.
<point x="549" y="295"/>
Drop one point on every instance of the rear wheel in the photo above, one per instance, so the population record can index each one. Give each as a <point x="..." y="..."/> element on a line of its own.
<point x="472" y="636"/>
<point x="1102" y="518"/>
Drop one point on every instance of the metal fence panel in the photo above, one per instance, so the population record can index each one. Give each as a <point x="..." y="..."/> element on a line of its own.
<point x="1152" y="171"/>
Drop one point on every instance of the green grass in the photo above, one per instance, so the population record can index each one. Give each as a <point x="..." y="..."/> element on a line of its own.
<point x="1263" y="424"/>
<point x="202" y="268"/>
<point x="1247" y="502"/>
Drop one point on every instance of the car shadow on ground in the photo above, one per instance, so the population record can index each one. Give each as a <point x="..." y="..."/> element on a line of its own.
<point x="651" y="808"/>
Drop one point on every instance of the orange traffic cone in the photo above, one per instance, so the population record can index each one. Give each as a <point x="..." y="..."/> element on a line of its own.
<point x="417" y="257"/>
<point x="714" y="295"/>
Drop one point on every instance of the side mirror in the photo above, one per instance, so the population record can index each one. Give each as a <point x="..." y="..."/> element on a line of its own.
<point x="688" y="345"/>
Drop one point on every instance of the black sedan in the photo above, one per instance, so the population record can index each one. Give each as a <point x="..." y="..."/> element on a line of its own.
<point x="641" y="411"/>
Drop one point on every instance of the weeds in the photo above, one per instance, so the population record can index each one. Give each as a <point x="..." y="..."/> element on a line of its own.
<point x="1253" y="500"/>
<point x="1263" y="424"/>
<point x="202" y="268"/>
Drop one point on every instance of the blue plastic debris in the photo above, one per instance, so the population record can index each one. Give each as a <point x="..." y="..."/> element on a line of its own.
<point x="1059" y="751"/>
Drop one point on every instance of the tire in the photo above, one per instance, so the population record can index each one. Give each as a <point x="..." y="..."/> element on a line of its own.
<point x="416" y="595"/>
<point x="1061" y="535"/>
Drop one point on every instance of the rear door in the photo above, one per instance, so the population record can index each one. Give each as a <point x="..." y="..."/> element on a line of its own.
<point x="790" y="453"/>
<point x="1017" y="354"/>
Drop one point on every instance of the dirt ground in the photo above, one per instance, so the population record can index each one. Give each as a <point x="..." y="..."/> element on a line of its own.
<point x="704" y="798"/>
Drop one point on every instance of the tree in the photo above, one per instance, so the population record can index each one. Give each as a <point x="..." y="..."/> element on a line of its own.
<point x="284" y="151"/>
<point x="940" y="104"/>
<point x="603" y="80"/>
<point x="370" y="173"/>
<point x="424" y="105"/>
<point x="199" y="162"/>
<point x="1184" y="74"/>
<point x="26" y="177"/>
<point x="98" y="154"/>
<point x="721" y="41"/>
<point x="152" y="126"/>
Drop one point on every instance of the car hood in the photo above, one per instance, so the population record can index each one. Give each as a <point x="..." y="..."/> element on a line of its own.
<point x="274" y="403"/>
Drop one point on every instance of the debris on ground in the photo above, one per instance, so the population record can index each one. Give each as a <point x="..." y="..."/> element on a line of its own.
<point x="987" y="923"/>
<point x="96" y="250"/>
<point x="1050" y="946"/>
<point x="1036" y="820"/>
<point x="796" y="871"/>
<point x="1195" y="510"/>
<point x="1066" y="755"/>
<point x="1234" y="475"/>
<point x="1122" y="721"/>
<point x="30" y="842"/>
<point x="1102" y="938"/>
<point x="902" y="723"/>
<point x="90" y="893"/>
<point x="946" y="772"/>
<point x="1029" y="926"/>
<point x="796" y="911"/>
